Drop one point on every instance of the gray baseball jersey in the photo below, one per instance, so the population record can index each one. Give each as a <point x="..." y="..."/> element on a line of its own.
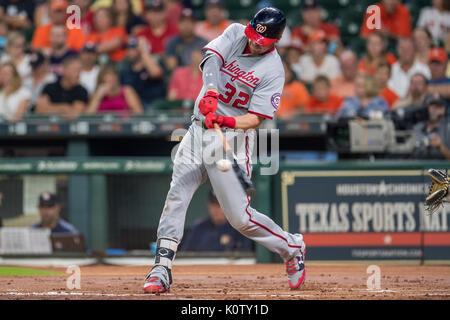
<point x="246" y="84"/>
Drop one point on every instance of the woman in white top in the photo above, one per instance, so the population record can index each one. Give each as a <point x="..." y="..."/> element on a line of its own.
<point x="318" y="61"/>
<point x="15" y="52"/>
<point x="436" y="19"/>
<point x="14" y="98"/>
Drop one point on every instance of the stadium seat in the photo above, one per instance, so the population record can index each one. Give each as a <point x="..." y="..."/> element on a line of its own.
<point x="357" y="44"/>
<point x="239" y="4"/>
<point x="166" y="105"/>
<point x="197" y="4"/>
<point x="330" y="14"/>
<point x="349" y="23"/>
<point x="241" y="14"/>
<point x="330" y="4"/>
<point x="287" y="6"/>
<point x="294" y="18"/>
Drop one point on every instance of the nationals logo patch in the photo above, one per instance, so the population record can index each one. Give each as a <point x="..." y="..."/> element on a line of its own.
<point x="260" y="28"/>
<point x="276" y="100"/>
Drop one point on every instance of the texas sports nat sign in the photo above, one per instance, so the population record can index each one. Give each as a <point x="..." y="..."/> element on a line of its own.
<point x="364" y="214"/>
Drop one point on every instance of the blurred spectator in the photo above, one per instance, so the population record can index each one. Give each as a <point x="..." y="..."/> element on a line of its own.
<point x="174" y="8"/>
<point x="318" y="61"/>
<point x="186" y="82"/>
<point x="439" y="82"/>
<point x="142" y="71"/>
<point x="109" y="38"/>
<point x="18" y="14"/>
<point x="382" y="76"/>
<point x="41" y="37"/>
<point x="40" y="76"/>
<point x="3" y="35"/>
<point x="215" y="22"/>
<point x="284" y="43"/>
<point x="294" y="96"/>
<point x="395" y="20"/>
<point x="41" y="15"/>
<point x="312" y="18"/>
<point x="417" y="93"/>
<point x="179" y="48"/>
<point x="125" y="18"/>
<point x="214" y="232"/>
<point x="15" y="52"/>
<point x="367" y="103"/>
<point x="49" y="210"/>
<point x="136" y="5"/>
<point x="90" y="69"/>
<point x="292" y="54"/>
<point x="322" y="100"/>
<point x="65" y="96"/>
<point x="422" y="44"/>
<point x="436" y="19"/>
<point x="110" y="96"/>
<point x="14" y="97"/>
<point x="159" y="30"/>
<point x="376" y="53"/>
<point x="58" y="50"/>
<point x="344" y="85"/>
<point x="405" y="67"/>
<point x="87" y="15"/>
<point x="433" y="135"/>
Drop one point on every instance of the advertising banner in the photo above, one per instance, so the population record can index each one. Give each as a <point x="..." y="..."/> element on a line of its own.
<point x="364" y="214"/>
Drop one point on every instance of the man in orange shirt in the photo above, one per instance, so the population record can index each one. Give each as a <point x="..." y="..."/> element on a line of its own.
<point x="215" y="23"/>
<point x="322" y="100"/>
<point x="109" y="39"/>
<point x="395" y="20"/>
<point x="41" y="37"/>
<point x="294" y="96"/>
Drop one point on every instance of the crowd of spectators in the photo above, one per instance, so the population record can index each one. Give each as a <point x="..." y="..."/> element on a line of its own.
<point x="126" y="55"/>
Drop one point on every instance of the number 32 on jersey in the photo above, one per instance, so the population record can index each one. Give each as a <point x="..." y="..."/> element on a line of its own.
<point x="240" y="101"/>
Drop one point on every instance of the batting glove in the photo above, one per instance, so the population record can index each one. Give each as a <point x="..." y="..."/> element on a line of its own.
<point x="211" y="118"/>
<point x="208" y="104"/>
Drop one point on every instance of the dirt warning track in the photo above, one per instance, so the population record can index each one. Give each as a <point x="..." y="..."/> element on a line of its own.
<point x="225" y="282"/>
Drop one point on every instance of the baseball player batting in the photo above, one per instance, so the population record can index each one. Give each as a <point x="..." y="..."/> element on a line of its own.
<point x="243" y="78"/>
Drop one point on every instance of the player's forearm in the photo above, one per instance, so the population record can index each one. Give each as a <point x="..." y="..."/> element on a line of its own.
<point x="152" y="66"/>
<point x="211" y="69"/>
<point x="248" y="121"/>
<point x="109" y="46"/>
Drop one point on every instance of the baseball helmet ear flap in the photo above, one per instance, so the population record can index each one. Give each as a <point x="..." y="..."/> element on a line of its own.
<point x="267" y="26"/>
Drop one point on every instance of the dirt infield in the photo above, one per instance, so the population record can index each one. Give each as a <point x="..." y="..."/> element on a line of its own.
<point x="261" y="282"/>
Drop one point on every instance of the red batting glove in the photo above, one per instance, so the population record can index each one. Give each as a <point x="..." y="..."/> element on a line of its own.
<point x="208" y="104"/>
<point x="211" y="118"/>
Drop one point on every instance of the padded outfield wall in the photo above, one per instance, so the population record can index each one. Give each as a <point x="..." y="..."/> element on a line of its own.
<point x="346" y="210"/>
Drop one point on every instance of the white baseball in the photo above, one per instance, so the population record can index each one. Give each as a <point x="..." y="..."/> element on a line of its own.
<point x="223" y="165"/>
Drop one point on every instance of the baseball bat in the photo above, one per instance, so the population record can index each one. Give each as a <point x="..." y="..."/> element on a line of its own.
<point x="243" y="179"/>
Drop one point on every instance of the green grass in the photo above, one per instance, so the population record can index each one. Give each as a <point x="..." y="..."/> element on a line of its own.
<point x="17" y="271"/>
